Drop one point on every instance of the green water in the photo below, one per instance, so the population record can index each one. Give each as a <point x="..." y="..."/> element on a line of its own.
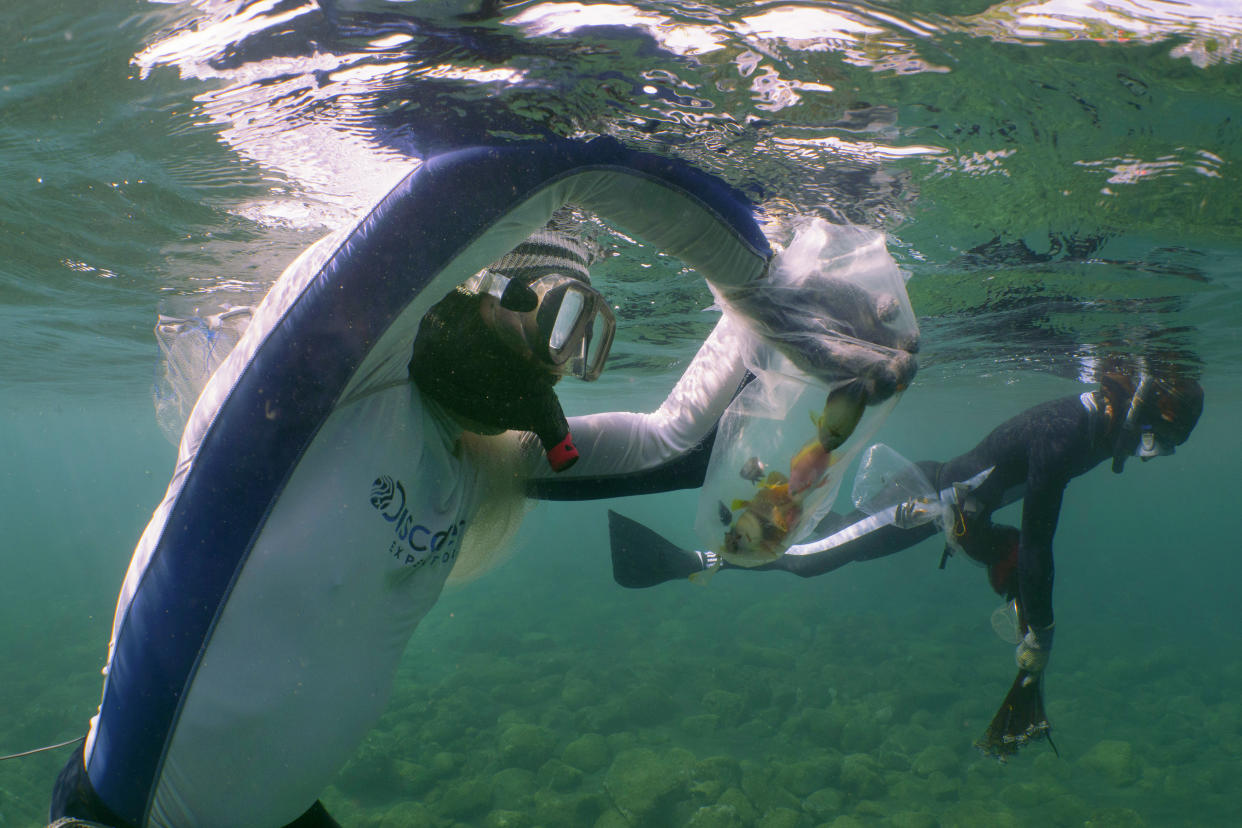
<point x="544" y="695"/>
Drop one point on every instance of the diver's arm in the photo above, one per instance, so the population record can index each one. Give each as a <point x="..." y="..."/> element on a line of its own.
<point x="623" y="453"/>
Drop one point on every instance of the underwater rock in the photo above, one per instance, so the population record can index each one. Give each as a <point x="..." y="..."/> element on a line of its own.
<point x="1114" y="760"/>
<point x="710" y="778"/>
<point x="506" y="819"/>
<point x="611" y="818"/>
<point x="861" y="733"/>
<point x="645" y="785"/>
<point x="704" y="724"/>
<point x="936" y="758"/>
<point x="408" y="815"/>
<point x="978" y="814"/>
<point x="723" y="768"/>
<point x="872" y="809"/>
<point x="715" y="816"/>
<point x="538" y="641"/>
<point x="1187" y="782"/>
<point x="734" y="798"/>
<point x="1053" y="766"/>
<point x="860" y="776"/>
<point x="824" y="804"/>
<point x="443" y="763"/>
<point x="373" y="768"/>
<point x="754" y="731"/>
<point x="555" y="775"/>
<point x="801" y="778"/>
<point x="764" y="656"/>
<point x="913" y="819"/>
<point x="1115" y="818"/>
<point x="606" y="717"/>
<point x="1027" y="794"/>
<point x="760" y="785"/>
<point x="577" y="693"/>
<point x="646" y="704"/>
<point x="588" y="753"/>
<point x="846" y="821"/>
<point x="943" y="787"/>
<point x="512" y="789"/>
<point x="413" y="779"/>
<point x="1066" y="809"/>
<point x="724" y="704"/>
<point x="821" y="725"/>
<point x="909" y="738"/>
<point x="441" y="730"/>
<point x="780" y="818"/>
<point x="568" y="810"/>
<point x="891" y="759"/>
<point x="465" y="798"/>
<point x="526" y="746"/>
<point x="622" y="740"/>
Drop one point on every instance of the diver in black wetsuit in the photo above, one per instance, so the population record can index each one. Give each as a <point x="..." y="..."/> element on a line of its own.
<point x="1032" y="456"/>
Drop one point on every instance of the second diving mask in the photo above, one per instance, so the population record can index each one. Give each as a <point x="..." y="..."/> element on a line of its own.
<point x="561" y="321"/>
<point x="1150" y="445"/>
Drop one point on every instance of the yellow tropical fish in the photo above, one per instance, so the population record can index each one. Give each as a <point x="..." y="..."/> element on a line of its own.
<point x="758" y="535"/>
<point x="843" y="408"/>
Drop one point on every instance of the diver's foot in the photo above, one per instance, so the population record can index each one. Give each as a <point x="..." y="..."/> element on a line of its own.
<point x="1019" y="721"/>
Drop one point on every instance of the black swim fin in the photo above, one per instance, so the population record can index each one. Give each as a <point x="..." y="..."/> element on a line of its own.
<point x="641" y="558"/>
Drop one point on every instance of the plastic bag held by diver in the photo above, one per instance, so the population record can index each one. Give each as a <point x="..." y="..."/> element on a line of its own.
<point x="836" y="302"/>
<point x="886" y="480"/>
<point x="192" y="348"/>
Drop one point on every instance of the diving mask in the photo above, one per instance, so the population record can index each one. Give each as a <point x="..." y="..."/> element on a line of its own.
<point x="1150" y="445"/>
<point x="559" y="320"/>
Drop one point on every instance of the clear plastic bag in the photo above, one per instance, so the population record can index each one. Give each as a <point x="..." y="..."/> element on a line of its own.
<point x="192" y="348"/>
<point x="771" y="479"/>
<point x="886" y="480"/>
<point x="834" y="302"/>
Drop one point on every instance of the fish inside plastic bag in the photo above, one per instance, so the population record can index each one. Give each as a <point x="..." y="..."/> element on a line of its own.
<point x="784" y="443"/>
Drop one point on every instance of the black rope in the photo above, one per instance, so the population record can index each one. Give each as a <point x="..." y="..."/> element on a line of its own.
<point x="42" y="749"/>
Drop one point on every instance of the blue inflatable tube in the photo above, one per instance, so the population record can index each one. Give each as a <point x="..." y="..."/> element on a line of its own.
<point x="332" y="329"/>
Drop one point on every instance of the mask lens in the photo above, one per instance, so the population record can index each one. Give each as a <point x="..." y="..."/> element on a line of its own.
<point x="1150" y="445"/>
<point x="570" y="330"/>
<point x="596" y="344"/>
<point x="568" y="316"/>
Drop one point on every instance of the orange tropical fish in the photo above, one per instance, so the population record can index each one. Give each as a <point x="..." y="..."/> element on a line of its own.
<point x="806" y="469"/>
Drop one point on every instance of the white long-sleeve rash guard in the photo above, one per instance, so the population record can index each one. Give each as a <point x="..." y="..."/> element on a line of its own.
<point x="621" y="444"/>
<point x="354" y="554"/>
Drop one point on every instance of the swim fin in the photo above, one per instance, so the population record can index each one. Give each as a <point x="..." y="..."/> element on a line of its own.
<point x="641" y="558"/>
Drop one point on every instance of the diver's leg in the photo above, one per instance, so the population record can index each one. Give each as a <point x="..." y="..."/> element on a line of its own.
<point x="885" y="540"/>
<point x="74" y="801"/>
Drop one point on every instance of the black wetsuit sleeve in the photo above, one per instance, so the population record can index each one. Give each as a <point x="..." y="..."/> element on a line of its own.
<point x="1040" y="511"/>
